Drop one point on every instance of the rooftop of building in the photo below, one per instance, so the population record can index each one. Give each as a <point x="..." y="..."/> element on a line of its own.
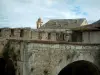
<point x="63" y="23"/>
<point x="93" y="26"/>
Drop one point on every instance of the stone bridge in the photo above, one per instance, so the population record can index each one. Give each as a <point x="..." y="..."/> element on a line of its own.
<point x="48" y="57"/>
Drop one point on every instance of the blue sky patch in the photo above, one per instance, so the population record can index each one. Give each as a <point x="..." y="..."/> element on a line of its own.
<point x="24" y="13"/>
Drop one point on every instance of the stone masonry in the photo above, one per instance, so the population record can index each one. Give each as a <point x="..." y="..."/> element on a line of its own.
<point x="48" y="57"/>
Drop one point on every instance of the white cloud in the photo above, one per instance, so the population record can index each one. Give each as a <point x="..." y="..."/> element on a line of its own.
<point x="92" y="7"/>
<point x="19" y="13"/>
<point x="49" y="2"/>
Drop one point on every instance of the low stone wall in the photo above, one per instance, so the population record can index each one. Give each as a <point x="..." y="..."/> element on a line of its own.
<point x="16" y="33"/>
<point x="48" y="57"/>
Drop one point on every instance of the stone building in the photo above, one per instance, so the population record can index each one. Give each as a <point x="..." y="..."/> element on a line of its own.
<point x="53" y="30"/>
<point x="87" y="34"/>
<point x="70" y="30"/>
<point x="59" y="29"/>
<point x="49" y="48"/>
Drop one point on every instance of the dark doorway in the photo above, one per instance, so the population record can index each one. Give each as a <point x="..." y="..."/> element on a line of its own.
<point x="2" y="66"/>
<point x="80" y="68"/>
<point x="77" y="36"/>
<point x="6" y="67"/>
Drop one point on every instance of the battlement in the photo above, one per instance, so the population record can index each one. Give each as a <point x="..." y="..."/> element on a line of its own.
<point x="25" y="33"/>
<point x="34" y="34"/>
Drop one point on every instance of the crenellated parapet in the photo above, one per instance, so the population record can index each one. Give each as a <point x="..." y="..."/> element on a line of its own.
<point x="35" y="34"/>
<point x="16" y="33"/>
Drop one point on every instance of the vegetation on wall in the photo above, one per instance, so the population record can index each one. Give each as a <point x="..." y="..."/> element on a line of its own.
<point x="9" y="52"/>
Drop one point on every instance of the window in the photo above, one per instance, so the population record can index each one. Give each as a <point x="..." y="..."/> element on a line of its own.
<point x="21" y="33"/>
<point x="49" y="36"/>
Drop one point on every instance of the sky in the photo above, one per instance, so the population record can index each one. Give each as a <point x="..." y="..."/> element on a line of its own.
<point x="24" y="13"/>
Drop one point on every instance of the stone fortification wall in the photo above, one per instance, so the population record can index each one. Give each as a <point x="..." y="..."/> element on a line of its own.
<point x="16" y="33"/>
<point x="48" y="57"/>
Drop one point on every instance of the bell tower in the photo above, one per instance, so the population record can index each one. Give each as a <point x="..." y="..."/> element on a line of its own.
<point x="39" y="23"/>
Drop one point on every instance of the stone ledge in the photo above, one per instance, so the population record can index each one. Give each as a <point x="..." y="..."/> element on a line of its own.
<point x="53" y="42"/>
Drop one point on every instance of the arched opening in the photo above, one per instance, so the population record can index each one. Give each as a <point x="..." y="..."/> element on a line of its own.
<point x="2" y="66"/>
<point x="81" y="67"/>
<point x="6" y="67"/>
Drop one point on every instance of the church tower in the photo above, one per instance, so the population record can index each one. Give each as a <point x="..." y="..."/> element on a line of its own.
<point x="39" y="23"/>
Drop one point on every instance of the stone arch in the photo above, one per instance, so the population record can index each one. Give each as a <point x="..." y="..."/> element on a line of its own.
<point x="2" y="66"/>
<point x="6" y="67"/>
<point x="80" y="67"/>
<point x="10" y="59"/>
